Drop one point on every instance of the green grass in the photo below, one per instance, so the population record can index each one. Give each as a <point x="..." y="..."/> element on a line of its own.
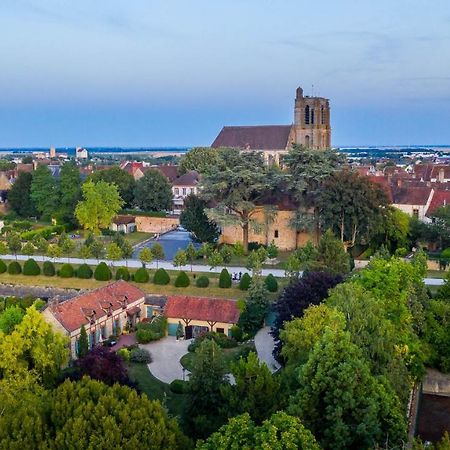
<point x="231" y="355"/>
<point x="437" y="274"/>
<point x="156" y="389"/>
<point x="137" y="237"/>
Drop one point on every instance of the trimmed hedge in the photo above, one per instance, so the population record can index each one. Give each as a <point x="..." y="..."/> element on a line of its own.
<point x="66" y="271"/>
<point x="202" y="281"/>
<point x="245" y="281"/>
<point x="3" y="267"/>
<point x="182" y="280"/>
<point x="14" y="268"/>
<point x="122" y="273"/>
<point x="48" y="269"/>
<point x="102" y="272"/>
<point x="84" y="272"/>
<point x="140" y="355"/>
<point x="225" y="279"/>
<point x="161" y="277"/>
<point x="141" y="276"/>
<point x="31" y="267"/>
<point x="271" y="283"/>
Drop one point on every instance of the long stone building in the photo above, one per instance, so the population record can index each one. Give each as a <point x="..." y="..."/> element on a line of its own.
<point x="311" y="129"/>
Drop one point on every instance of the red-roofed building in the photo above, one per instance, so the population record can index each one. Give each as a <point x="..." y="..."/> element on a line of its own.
<point x="200" y="314"/>
<point x="414" y="201"/>
<point x="104" y="312"/>
<point x="440" y="199"/>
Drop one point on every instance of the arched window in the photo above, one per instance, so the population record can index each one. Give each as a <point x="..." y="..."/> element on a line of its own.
<point x="322" y="114"/>
<point x="307" y="115"/>
<point x="312" y="116"/>
<point x="307" y="141"/>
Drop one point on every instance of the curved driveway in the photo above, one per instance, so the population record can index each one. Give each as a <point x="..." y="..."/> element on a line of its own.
<point x="264" y="344"/>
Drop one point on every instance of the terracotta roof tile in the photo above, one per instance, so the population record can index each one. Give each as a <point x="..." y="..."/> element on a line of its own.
<point x="73" y="313"/>
<point x="440" y="198"/>
<point x="170" y="172"/>
<point x="190" y="178"/>
<point x="124" y="220"/>
<point x="411" y="195"/>
<point x="263" y="137"/>
<point x="202" y="308"/>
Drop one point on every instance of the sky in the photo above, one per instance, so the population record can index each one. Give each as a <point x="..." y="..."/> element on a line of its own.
<point x="173" y="72"/>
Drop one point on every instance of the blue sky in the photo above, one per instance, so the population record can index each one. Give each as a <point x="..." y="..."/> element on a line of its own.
<point x="173" y="72"/>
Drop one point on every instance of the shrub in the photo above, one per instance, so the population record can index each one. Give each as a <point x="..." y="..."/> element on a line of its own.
<point x="445" y="254"/>
<point x="141" y="275"/>
<point x="222" y="340"/>
<point x="161" y="277"/>
<point x="182" y="280"/>
<point x="245" y="281"/>
<point x="151" y="331"/>
<point x="14" y="268"/>
<point x="224" y="279"/>
<point x="236" y="333"/>
<point x="31" y="267"/>
<point x="140" y="355"/>
<point x="48" y="269"/>
<point x="124" y="353"/>
<point x="122" y="273"/>
<point x="66" y="271"/>
<point x="84" y="271"/>
<point x="271" y="283"/>
<point x="3" y="267"/>
<point x="202" y="281"/>
<point x="102" y="272"/>
<point x="179" y="386"/>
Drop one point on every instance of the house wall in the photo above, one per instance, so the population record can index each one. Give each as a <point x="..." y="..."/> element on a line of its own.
<point x="156" y="224"/>
<point x="226" y="326"/>
<point x="279" y="231"/>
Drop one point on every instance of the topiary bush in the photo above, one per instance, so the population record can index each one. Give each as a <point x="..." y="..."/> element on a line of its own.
<point x="141" y="275"/>
<point x="245" y="281"/>
<point x="48" y="269"/>
<point x="182" y="280"/>
<point x="225" y="279"/>
<point x="84" y="272"/>
<point x="31" y="268"/>
<point x="122" y="273"/>
<point x="141" y="356"/>
<point x="66" y="271"/>
<point x="161" y="277"/>
<point x="179" y="386"/>
<point x="14" y="268"/>
<point x="3" y="267"/>
<point x="202" y="281"/>
<point x="102" y="272"/>
<point x="271" y="283"/>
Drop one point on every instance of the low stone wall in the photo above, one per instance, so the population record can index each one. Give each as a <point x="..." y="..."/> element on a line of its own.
<point x="10" y="290"/>
<point x="156" y="224"/>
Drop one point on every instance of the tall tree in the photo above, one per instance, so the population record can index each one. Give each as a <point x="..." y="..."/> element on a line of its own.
<point x="70" y="190"/>
<point x="123" y="180"/>
<point x="101" y="202"/>
<point x="19" y="197"/>
<point x="351" y="205"/>
<point x="236" y="184"/>
<point x="158" y="252"/>
<point x="83" y="344"/>
<point x="331" y="255"/>
<point x="9" y="318"/>
<point x="195" y="220"/>
<point x="146" y="256"/>
<point x="202" y="415"/>
<point x="44" y="192"/>
<point x="153" y="192"/>
<point x="367" y="415"/>
<point x="201" y="159"/>
<point x="256" y="306"/>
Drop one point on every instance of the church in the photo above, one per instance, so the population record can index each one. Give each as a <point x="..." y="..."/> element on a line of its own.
<point x="311" y="129"/>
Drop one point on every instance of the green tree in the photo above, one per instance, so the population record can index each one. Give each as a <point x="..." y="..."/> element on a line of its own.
<point x="195" y="220"/>
<point x="393" y="231"/>
<point x="280" y="432"/>
<point x="44" y="192"/>
<point x="146" y="256"/>
<point x="332" y="255"/>
<point x="127" y="251"/>
<point x="202" y="414"/>
<point x="19" y="197"/>
<point x="14" y="243"/>
<point x="215" y="259"/>
<point x="256" y="306"/>
<point x="113" y="252"/>
<point x="256" y="390"/>
<point x="97" y="249"/>
<point x="101" y="202"/>
<point x="245" y="177"/>
<point x="70" y="191"/>
<point x="180" y="259"/>
<point x="123" y="180"/>
<point x="153" y="192"/>
<point x="85" y="252"/>
<point x="41" y="244"/>
<point x="158" y="252"/>
<point x="368" y="415"/>
<point x="9" y="318"/>
<point x="28" y="249"/>
<point x="191" y="253"/>
<point x="54" y="251"/>
<point x="201" y="159"/>
<point x="83" y="345"/>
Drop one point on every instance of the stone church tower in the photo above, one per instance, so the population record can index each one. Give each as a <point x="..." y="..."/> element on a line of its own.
<point x="312" y="121"/>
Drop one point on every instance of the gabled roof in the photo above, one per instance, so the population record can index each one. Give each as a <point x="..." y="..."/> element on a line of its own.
<point x="440" y="198"/>
<point x="411" y="195"/>
<point x="74" y="313"/>
<point x="188" y="179"/>
<point x="260" y="137"/>
<point x="384" y="184"/>
<point x="202" y="308"/>
<point x="170" y="172"/>
<point x="124" y="220"/>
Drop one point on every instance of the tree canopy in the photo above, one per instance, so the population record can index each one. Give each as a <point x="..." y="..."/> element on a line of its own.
<point x="19" y="197"/>
<point x="44" y="192"/>
<point x="201" y="159"/>
<point x="153" y="192"/>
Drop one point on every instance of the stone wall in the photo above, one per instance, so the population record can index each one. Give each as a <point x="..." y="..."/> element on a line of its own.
<point x="156" y="224"/>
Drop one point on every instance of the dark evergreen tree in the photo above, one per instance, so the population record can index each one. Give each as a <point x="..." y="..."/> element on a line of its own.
<point x="153" y="192"/>
<point x="83" y="345"/>
<point x="19" y="197"/>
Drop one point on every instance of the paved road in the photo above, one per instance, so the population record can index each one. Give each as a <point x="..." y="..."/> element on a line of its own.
<point x="264" y="344"/>
<point x="279" y="273"/>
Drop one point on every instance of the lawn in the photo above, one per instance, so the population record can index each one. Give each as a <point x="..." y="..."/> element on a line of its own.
<point x="156" y="389"/>
<point x="231" y="355"/>
<point x="137" y="237"/>
<point x="437" y="274"/>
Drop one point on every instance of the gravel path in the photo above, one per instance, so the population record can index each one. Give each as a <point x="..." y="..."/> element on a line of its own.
<point x="264" y="346"/>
